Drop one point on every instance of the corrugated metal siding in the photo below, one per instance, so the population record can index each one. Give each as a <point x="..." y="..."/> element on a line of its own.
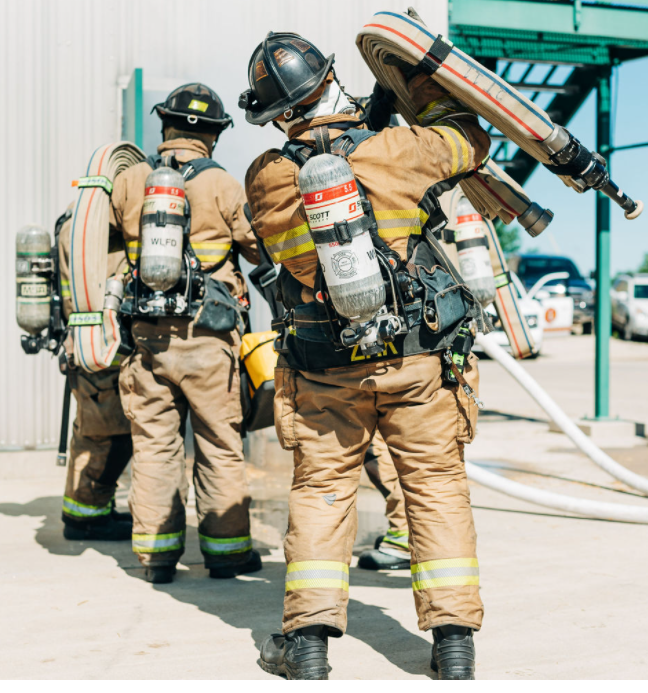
<point x="60" y="61"/>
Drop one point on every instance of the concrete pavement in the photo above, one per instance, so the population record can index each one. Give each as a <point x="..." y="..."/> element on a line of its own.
<point x="565" y="597"/>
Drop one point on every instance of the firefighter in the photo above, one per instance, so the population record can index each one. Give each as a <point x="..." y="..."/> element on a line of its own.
<point x="337" y="380"/>
<point x="185" y="355"/>
<point x="101" y="445"/>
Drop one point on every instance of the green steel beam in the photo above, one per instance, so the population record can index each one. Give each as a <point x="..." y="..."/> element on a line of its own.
<point x="603" y="313"/>
<point x="133" y="114"/>
<point x="582" y="20"/>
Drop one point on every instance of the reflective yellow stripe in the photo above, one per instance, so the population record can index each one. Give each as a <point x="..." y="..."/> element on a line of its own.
<point x="133" y="248"/>
<point x="317" y="575"/>
<point x="458" y="145"/>
<point x="288" y="244"/>
<point x="209" y="251"/>
<point x="65" y="288"/>
<point x="396" y="223"/>
<point x="446" y="572"/>
<point x="438" y="108"/>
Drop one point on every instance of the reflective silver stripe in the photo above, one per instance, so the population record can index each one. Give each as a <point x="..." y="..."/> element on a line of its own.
<point x="444" y="572"/>
<point x="396" y="223"/>
<point x="316" y="574"/>
<point x="81" y="510"/>
<point x="225" y="546"/>
<point x="157" y="543"/>
<point x="290" y="243"/>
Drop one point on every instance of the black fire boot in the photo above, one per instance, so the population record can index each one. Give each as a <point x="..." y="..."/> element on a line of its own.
<point x="106" y="530"/>
<point x="121" y="516"/>
<point x="300" y="654"/>
<point x="159" y="574"/>
<point x="453" y="653"/>
<point x="251" y="565"/>
<point x="378" y="560"/>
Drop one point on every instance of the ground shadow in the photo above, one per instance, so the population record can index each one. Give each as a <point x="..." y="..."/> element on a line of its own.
<point x="252" y="602"/>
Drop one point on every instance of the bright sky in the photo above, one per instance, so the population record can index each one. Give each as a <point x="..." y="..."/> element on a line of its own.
<point x="572" y="232"/>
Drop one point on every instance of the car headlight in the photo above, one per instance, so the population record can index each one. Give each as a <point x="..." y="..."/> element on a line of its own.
<point x="532" y="320"/>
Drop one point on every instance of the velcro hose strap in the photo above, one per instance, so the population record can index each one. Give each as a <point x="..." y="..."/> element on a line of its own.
<point x="436" y="55"/>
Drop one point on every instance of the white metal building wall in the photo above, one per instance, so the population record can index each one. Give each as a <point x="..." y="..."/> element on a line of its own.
<point x="60" y="62"/>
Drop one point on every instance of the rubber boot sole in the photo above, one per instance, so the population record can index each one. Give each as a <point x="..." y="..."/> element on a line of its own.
<point x="227" y="572"/>
<point x="294" y="674"/>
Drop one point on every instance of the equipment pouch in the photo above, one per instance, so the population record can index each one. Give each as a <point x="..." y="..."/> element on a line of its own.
<point x="285" y="408"/>
<point x="445" y="303"/>
<point x="220" y="311"/>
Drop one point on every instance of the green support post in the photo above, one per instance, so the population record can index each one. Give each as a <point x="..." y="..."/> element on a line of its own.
<point x="133" y="118"/>
<point x="603" y="318"/>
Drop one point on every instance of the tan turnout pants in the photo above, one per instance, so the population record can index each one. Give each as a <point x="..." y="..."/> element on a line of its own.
<point x="100" y="447"/>
<point x="383" y="475"/>
<point x="174" y="369"/>
<point x="328" y="419"/>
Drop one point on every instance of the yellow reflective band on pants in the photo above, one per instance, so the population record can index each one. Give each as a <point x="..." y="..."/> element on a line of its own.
<point x="209" y="251"/>
<point x="398" y="223"/>
<point x="288" y="244"/>
<point x="157" y="543"/>
<point x="399" y="539"/>
<point x="224" y="547"/>
<point x="76" y="509"/>
<point x="317" y="575"/>
<point x="133" y="248"/>
<point x="446" y="572"/>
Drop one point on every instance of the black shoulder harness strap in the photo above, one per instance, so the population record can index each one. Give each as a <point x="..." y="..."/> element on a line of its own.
<point x="189" y="170"/>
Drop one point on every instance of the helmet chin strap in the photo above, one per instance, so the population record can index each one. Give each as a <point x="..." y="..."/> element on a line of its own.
<point x="332" y="101"/>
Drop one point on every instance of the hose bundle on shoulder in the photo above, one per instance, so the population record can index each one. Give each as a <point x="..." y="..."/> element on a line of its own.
<point x="390" y="38"/>
<point x="95" y="330"/>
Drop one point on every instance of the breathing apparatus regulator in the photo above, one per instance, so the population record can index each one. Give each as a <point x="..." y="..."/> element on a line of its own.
<point x="38" y="303"/>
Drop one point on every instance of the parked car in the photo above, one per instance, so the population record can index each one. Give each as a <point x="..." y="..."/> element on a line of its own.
<point x="530" y="268"/>
<point x="531" y="310"/>
<point x="629" y="296"/>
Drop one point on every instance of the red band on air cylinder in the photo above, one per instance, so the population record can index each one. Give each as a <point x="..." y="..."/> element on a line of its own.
<point x="330" y="193"/>
<point x="467" y="218"/>
<point x="157" y="190"/>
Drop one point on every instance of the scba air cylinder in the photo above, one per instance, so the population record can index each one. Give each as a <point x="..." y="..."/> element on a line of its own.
<point x="472" y="248"/>
<point x="163" y="219"/>
<point x="349" y="265"/>
<point x="33" y="278"/>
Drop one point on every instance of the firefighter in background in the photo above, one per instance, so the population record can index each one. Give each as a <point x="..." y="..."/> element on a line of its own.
<point x="391" y="550"/>
<point x="183" y="361"/>
<point x="329" y="401"/>
<point x="101" y="445"/>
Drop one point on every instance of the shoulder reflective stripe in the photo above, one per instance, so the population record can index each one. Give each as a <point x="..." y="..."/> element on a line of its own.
<point x="220" y="546"/>
<point x="447" y="572"/>
<point x="133" y="248"/>
<point x="209" y="251"/>
<point x="287" y="244"/>
<point x="458" y="145"/>
<point x="157" y="543"/>
<point x="396" y="223"/>
<point x="438" y="108"/>
<point x="317" y="575"/>
<point x="72" y="507"/>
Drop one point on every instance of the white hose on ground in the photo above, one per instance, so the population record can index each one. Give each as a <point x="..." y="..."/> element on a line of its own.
<point x="582" y="442"/>
<point x="557" y="501"/>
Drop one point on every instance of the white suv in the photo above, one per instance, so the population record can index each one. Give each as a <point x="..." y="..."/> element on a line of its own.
<point x="629" y="295"/>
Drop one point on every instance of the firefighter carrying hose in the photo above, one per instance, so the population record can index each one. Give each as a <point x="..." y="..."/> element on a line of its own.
<point x="375" y="317"/>
<point x="183" y="223"/>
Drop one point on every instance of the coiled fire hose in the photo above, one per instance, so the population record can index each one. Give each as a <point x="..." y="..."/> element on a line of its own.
<point x="390" y="38"/>
<point x="580" y="506"/>
<point x="95" y="330"/>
